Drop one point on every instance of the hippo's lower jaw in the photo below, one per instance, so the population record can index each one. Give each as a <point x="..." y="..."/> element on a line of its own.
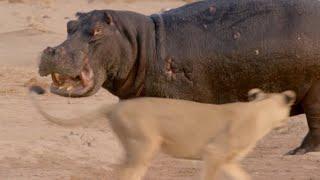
<point x="78" y="86"/>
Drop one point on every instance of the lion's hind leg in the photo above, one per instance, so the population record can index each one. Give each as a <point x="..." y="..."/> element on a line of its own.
<point x="234" y="171"/>
<point x="139" y="152"/>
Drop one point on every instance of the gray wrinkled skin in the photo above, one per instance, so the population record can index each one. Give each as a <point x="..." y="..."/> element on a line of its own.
<point x="210" y="51"/>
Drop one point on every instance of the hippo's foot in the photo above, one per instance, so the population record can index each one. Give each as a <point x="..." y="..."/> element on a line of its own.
<point x="311" y="143"/>
<point x="300" y="151"/>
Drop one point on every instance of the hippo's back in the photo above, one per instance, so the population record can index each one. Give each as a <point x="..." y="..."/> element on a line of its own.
<point x="215" y="51"/>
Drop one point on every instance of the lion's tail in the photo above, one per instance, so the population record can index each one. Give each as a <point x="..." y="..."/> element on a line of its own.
<point x="86" y="120"/>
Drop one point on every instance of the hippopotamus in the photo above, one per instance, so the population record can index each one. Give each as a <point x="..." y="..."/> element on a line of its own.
<point x="210" y="51"/>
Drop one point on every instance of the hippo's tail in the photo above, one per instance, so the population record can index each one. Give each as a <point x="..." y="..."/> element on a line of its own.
<point x="88" y="120"/>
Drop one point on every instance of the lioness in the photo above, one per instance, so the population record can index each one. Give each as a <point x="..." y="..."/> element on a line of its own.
<point x="218" y="134"/>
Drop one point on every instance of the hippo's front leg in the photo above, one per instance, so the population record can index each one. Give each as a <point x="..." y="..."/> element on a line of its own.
<point x="311" y="106"/>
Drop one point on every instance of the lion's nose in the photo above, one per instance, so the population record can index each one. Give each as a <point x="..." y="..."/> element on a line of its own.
<point x="49" y="51"/>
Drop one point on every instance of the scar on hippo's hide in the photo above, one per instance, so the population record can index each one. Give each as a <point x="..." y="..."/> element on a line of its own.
<point x="212" y="9"/>
<point x="172" y="70"/>
<point x="236" y="35"/>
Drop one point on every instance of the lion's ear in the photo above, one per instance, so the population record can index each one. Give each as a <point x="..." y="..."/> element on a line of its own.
<point x="290" y="97"/>
<point x="255" y="94"/>
<point x="108" y="18"/>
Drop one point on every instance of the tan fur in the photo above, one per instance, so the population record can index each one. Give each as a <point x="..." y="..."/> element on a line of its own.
<point x="221" y="135"/>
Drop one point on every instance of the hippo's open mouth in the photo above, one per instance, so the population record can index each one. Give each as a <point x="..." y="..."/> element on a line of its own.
<point x="77" y="86"/>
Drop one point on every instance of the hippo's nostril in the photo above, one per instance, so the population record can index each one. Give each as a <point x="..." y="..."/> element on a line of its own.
<point x="49" y="51"/>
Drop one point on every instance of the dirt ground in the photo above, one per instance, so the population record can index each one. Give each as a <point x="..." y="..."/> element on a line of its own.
<point x="31" y="148"/>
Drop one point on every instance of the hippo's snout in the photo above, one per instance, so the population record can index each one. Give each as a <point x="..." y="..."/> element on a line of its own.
<point x="70" y="71"/>
<point x="48" y="59"/>
<point x="53" y="59"/>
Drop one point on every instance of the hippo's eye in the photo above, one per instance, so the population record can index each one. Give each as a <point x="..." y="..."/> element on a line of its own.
<point x="95" y="35"/>
<point x="97" y="32"/>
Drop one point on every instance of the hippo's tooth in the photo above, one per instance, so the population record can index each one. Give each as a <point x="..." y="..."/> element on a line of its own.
<point x="54" y="79"/>
<point x="57" y="76"/>
<point x="83" y="78"/>
<point x="69" y="88"/>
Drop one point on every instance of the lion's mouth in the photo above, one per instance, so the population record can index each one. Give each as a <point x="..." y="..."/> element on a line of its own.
<point x="73" y="86"/>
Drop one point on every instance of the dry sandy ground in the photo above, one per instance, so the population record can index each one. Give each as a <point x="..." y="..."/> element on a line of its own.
<point x="31" y="148"/>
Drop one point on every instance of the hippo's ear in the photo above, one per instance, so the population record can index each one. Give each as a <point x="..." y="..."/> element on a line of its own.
<point x="256" y="94"/>
<point x="81" y="14"/>
<point x="108" y="18"/>
<point x="290" y="97"/>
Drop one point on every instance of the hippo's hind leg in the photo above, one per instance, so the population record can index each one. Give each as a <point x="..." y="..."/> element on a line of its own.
<point x="311" y="106"/>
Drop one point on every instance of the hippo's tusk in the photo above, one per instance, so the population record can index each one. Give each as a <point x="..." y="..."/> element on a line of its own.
<point x="69" y="88"/>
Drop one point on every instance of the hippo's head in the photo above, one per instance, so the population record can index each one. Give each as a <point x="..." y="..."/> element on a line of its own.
<point x="101" y="49"/>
